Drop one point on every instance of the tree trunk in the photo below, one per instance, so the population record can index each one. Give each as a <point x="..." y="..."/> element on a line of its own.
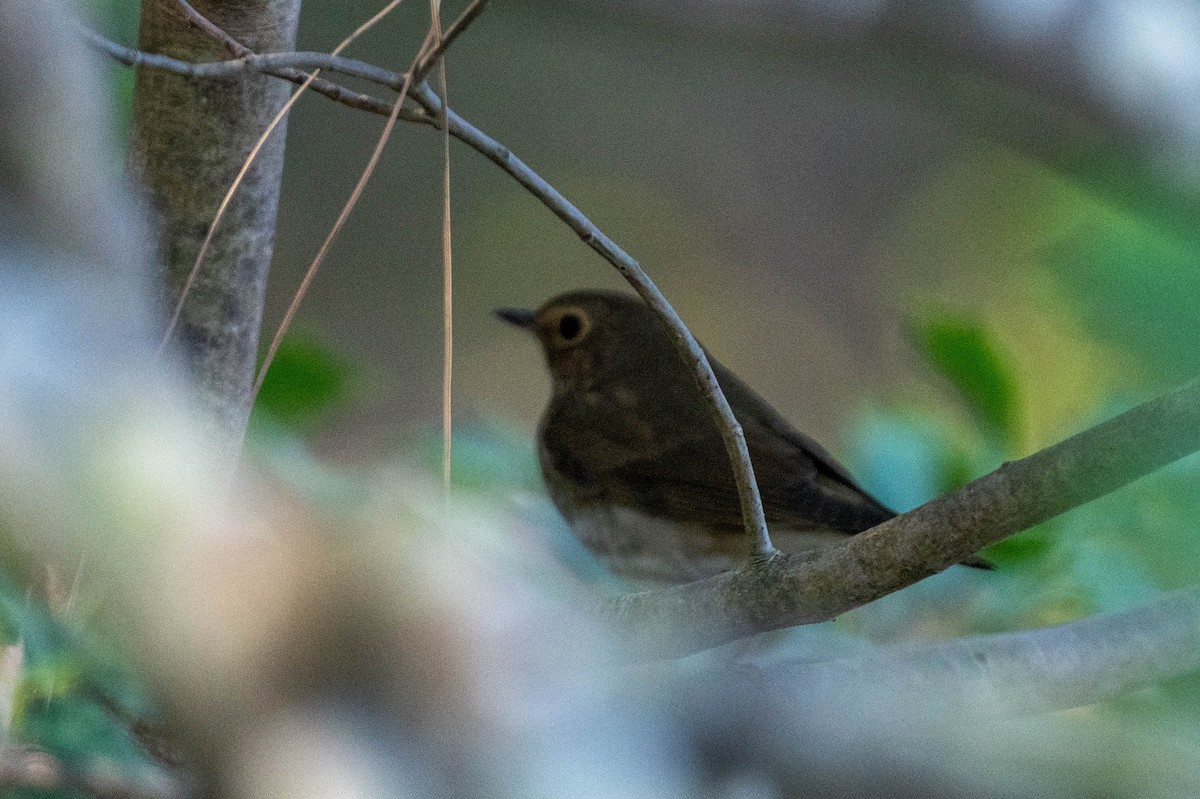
<point x="190" y="138"/>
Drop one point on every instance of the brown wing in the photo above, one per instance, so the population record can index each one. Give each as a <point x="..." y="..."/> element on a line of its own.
<point x="681" y="486"/>
<point x="618" y="457"/>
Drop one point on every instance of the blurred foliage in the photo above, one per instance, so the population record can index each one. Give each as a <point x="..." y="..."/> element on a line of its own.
<point x="74" y="699"/>
<point x="1047" y="308"/>
<point x="486" y="457"/>
<point x="1131" y="283"/>
<point x="964" y="353"/>
<point x="307" y="382"/>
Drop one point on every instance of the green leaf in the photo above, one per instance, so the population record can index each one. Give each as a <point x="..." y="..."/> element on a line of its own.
<point x="966" y="354"/>
<point x="306" y="380"/>
<point x="1028" y="547"/>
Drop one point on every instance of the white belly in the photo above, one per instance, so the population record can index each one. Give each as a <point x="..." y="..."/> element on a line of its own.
<point x="639" y="546"/>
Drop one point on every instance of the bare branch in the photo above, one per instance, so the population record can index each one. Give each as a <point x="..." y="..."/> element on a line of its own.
<point x="202" y="23"/>
<point x="456" y="29"/>
<point x="268" y="63"/>
<point x="785" y="591"/>
<point x="439" y="45"/>
<point x="630" y="269"/>
<point x="279" y="65"/>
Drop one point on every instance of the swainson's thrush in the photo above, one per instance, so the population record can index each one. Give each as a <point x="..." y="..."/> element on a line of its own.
<point x="633" y="460"/>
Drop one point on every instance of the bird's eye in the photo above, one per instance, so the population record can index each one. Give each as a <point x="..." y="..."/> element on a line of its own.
<point x="570" y="326"/>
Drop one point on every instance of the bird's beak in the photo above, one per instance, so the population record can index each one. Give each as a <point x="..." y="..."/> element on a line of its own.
<point x="518" y="316"/>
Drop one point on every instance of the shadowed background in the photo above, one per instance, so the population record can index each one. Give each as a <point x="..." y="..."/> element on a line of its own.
<point x="802" y="179"/>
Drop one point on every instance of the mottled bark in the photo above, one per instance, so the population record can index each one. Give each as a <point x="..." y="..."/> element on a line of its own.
<point x="190" y="137"/>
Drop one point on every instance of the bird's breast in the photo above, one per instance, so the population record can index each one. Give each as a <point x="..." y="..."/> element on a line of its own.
<point x="635" y="545"/>
<point x="639" y="546"/>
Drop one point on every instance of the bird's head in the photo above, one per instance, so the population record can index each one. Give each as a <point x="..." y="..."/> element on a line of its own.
<point x="590" y="337"/>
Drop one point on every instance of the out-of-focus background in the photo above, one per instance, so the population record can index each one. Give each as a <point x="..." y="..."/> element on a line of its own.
<point x="804" y="180"/>
<point x="937" y="235"/>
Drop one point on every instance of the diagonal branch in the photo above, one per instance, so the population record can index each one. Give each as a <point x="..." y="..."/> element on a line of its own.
<point x="785" y="591"/>
<point x="205" y="26"/>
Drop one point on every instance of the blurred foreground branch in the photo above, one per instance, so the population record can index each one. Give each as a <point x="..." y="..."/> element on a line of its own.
<point x="25" y="771"/>
<point x="1034" y="671"/>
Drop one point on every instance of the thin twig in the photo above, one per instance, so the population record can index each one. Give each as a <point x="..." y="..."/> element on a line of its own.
<point x="253" y="62"/>
<point x="440" y="43"/>
<point x="198" y="19"/>
<point x="202" y="23"/>
<point x="337" y="226"/>
<point x="456" y="29"/>
<point x="273" y="64"/>
<point x="288" y="65"/>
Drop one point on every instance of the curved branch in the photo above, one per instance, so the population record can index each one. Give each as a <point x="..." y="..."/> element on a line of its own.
<point x="787" y="591"/>
<point x="692" y="353"/>
<point x="281" y="65"/>
<point x="269" y="63"/>
<point x="290" y="66"/>
<point x="1053" y="668"/>
<point x="689" y="349"/>
<point x="282" y="68"/>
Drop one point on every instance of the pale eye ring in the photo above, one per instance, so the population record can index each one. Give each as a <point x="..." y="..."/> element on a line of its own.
<point x="566" y="327"/>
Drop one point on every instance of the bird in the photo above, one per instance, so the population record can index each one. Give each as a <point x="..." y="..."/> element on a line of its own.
<point x="633" y="460"/>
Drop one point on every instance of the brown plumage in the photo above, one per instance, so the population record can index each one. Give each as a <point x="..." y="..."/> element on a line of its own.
<point x="633" y="460"/>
